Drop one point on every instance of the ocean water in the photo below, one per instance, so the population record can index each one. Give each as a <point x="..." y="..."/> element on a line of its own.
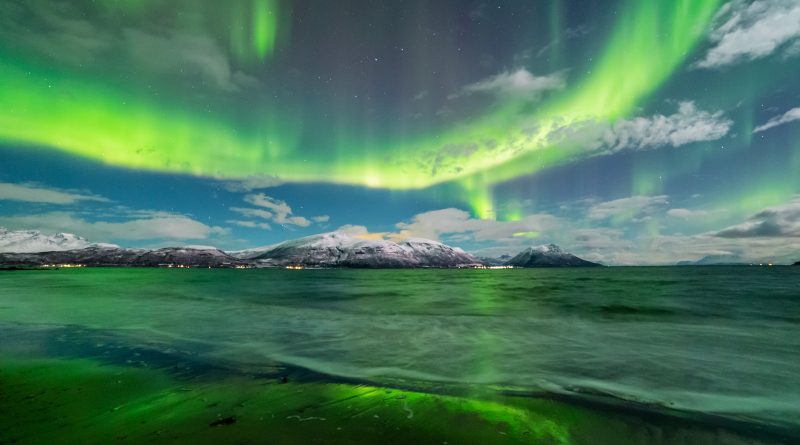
<point x="713" y="340"/>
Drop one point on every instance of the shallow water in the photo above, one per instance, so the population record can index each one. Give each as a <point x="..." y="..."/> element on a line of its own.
<point x="713" y="340"/>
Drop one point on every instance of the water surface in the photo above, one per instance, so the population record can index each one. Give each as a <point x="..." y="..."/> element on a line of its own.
<point x="706" y="340"/>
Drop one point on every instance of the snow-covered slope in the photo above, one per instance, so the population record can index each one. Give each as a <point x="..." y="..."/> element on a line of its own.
<point x="115" y="257"/>
<point x="247" y="254"/>
<point x="548" y="255"/>
<point x="26" y="241"/>
<point x="337" y="249"/>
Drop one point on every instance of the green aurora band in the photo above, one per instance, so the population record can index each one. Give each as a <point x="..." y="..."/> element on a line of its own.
<point x="49" y="108"/>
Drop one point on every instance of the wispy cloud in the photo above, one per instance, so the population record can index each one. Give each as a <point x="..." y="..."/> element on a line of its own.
<point x="780" y="221"/>
<point x="634" y="208"/>
<point x="252" y="213"/>
<point x="249" y="224"/>
<point x="520" y="84"/>
<point x="54" y="29"/>
<point x="458" y="225"/>
<point x="271" y="209"/>
<point x="751" y="30"/>
<point x="160" y="226"/>
<point x="568" y="34"/>
<point x="30" y="192"/>
<point x="67" y="33"/>
<point x="251" y="183"/>
<point x="687" y="213"/>
<point x="179" y="52"/>
<point x="790" y="116"/>
<point x="688" y="125"/>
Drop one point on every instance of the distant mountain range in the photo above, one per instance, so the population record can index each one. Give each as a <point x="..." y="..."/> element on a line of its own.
<point x="334" y="249"/>
<point x="724" y="260"/>
<point x="715" y="260"/>
<point x="105" y="256"/>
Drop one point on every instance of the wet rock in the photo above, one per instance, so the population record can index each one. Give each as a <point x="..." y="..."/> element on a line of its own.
<point x="230" y="420"/>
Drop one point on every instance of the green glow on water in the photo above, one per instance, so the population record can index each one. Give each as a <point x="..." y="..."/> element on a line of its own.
<point x="86" y="401"/>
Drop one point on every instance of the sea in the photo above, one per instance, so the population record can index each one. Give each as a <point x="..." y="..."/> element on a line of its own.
<point x="714" y="342"/>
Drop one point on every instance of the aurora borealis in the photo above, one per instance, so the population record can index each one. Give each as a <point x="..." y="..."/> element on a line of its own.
<point x="627" y="131"/>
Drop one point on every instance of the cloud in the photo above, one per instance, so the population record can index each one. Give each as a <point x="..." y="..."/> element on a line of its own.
<point x="749" y="31"/>
<point x="51" y="28"/>
<point x="71" y="34"/>
<point x="421" y="95"/>
<point x="276" y="210"/>
<point x="582" y="138"/>
<point x="686" y="213"/>
<point x="668" y="249"/>
<point x="601" y="244"/>
<point x="519" y="83"/>
<point x="251" y="183"/>
<point x="160" y="226"/>
<point x="30" y="192"/>
<point x="635" y="208"/>
<point x="789" y="116"/>
<point x="688" y="125"/>
<point x="179" y="52"/>
<point x="249" y="224"/>
<point x="361" y="232"/>
<point x="252" y="213"/>
<point x="780" y="222"/>
<point x="458" y="225"/>
<point x="568" y="34"/>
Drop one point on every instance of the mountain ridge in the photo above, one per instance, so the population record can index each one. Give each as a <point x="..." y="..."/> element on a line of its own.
<point x="548" y="255"/>
<point x="327" y="250"/>
<point x="338" y="249"/>
<point x="25" y="241"/>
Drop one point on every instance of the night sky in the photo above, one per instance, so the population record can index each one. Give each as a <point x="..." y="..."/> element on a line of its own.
<point x="628" y="132"/>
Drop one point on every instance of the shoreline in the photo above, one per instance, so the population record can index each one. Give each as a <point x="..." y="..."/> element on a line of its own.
<point x="83" y="400"/>
<point x="193" y="401"/>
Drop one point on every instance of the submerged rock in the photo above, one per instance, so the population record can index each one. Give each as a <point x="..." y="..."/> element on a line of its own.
<point x="230" y="420"/>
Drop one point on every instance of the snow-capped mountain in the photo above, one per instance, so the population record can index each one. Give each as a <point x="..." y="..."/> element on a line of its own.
<point x="109" y="256"/>
<point x="334" y="249"/>
<point x="247" y="254"/>
<point x="337" y="249"/>
<point x="549" y="255"/>
<point x="25" y="241"/>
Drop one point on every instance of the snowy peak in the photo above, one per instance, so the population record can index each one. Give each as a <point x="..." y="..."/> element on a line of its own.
<point x="29" y="241"/>
<point x="338" y="249"/>
<point x="549" y="255"/>
<point x="547" y="248"/>
<point x="104" y="256"/>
